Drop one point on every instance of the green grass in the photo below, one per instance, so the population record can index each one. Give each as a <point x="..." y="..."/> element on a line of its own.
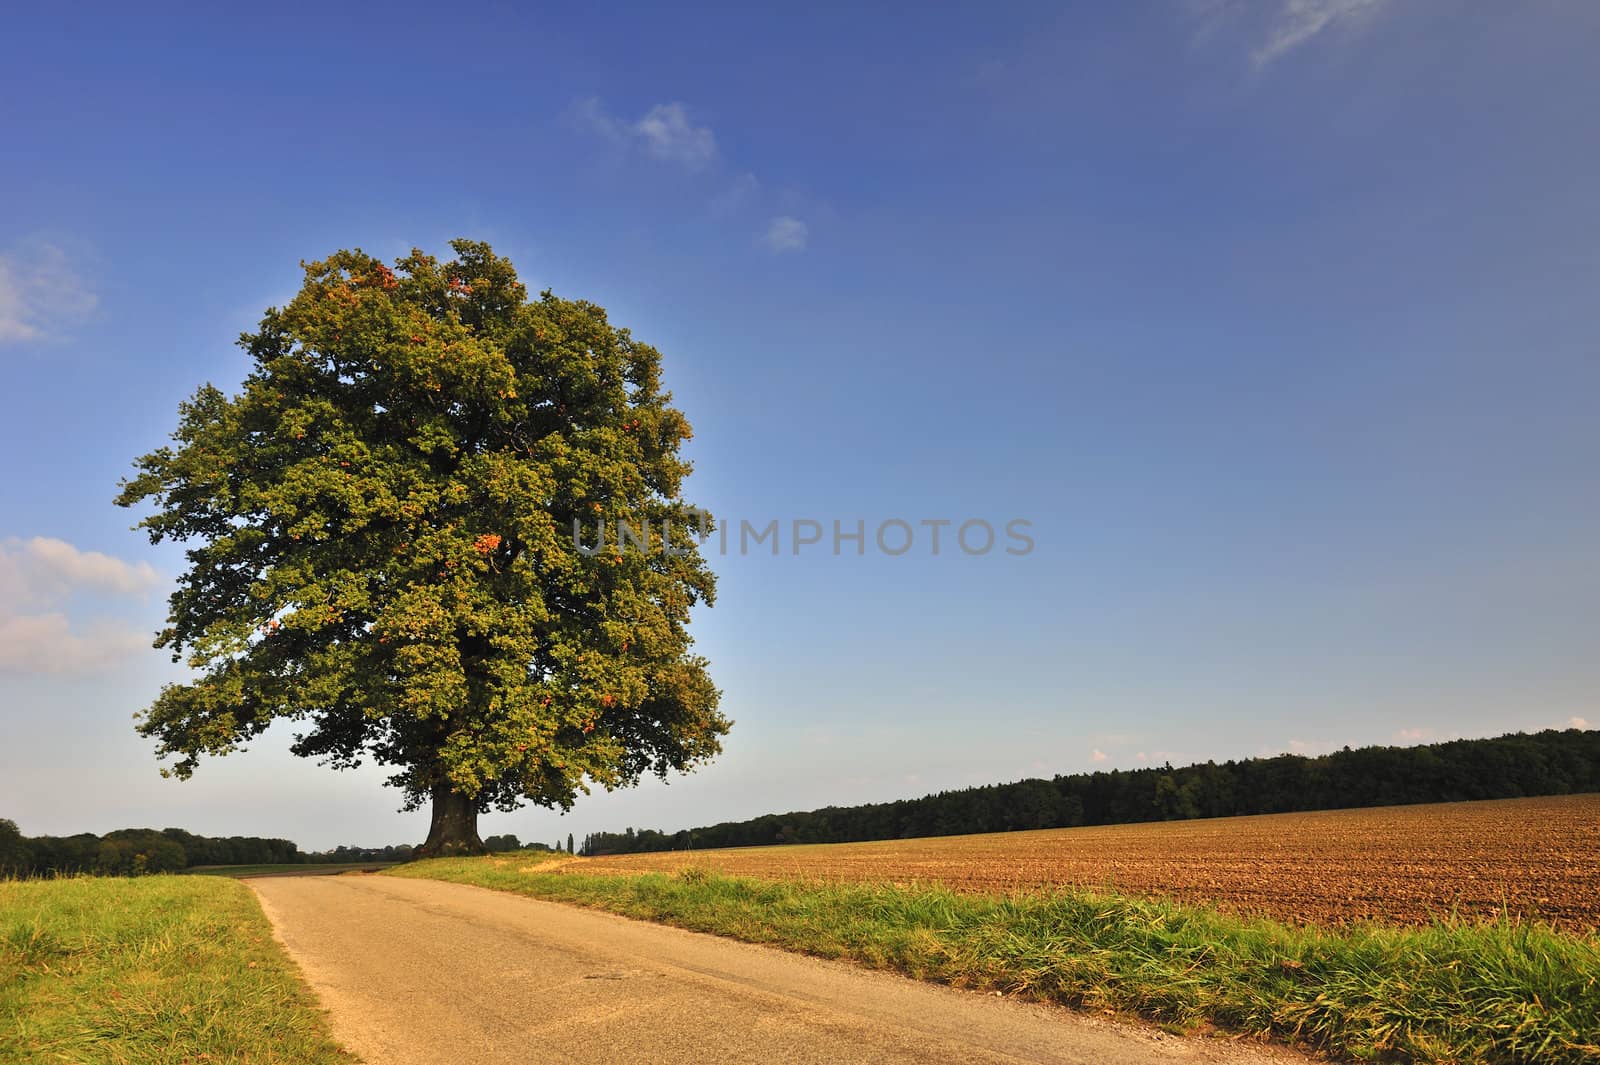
<point x="1505" y="991"/>
<point x="152" y="970"/>
<point x="292" y="869"/>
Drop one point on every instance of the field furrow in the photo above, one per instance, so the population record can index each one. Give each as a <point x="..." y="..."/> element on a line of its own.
<point x="1406" y="864"/>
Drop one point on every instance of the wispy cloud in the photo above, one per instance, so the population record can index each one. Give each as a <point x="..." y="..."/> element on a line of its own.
<point x="664" y="132"/>
<point x="39" y="578"/>
<point x="668" y="132"/>
<point x="1298" y="21"/>
<point x="785" y="234"/>
<point x="1305" y="748"/>
<point x="47" y="643"/>
<point x="1278" y="27"/>
<point x="40" y="292"/>
<point x="740" y="194"/>
<point x="43" y="567"/>
<point x="1577" y="722"/>
<point x="590" y="115"/>
<point x="1099" y="755"/>
<point x="1413" y="735"/>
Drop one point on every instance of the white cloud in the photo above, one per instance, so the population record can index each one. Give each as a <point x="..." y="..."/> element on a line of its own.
<point x="1298" y="21"/>
<point x="1577" y="722"/>
<point x="668" y="134"/>
<point x="15" y="317"/>
<point x="39" y="292"/>
<point x="44" y="567"/>
<point x="46" y="643"/>
<point x="1306" y="748"/>
<point x="1278" y="27"/>
<point x="665" y="132"/>
<point x="589" y="114"/>
<point x="1413" y="735"/>
<point x="739" y="195"/>
<point x="1099" y="755"/>
<point x="786" y="234"/>
<point x="37" y="578"/>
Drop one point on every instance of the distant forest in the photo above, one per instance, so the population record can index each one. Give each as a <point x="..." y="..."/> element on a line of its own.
<point x="135" y="851"/>
<point x="1554" y="762"/>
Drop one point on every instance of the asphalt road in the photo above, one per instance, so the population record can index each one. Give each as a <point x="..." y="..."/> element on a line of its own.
<point x="420" y="971"/>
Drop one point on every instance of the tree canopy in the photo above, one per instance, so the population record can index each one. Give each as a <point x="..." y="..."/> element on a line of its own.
<point x="381" y="529"/>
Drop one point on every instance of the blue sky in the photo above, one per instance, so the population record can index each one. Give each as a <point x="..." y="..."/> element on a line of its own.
<point x="1276" y="321"/>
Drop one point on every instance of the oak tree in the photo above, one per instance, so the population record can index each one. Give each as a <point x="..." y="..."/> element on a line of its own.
<point x="381" y="529"/>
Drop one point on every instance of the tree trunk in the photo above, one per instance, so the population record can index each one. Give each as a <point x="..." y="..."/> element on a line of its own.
<point x="455" y="826"/>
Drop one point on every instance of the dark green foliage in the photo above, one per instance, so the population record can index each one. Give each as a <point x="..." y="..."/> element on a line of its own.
<point x="1546" y="763"/>
<point x="345" y="855"/>
<point x="138" y="851"/>
<point x="507" y="842"/>
<point x="234" y="850"/>
<point x="380" y="530"/>
<point x="16" y="857"/>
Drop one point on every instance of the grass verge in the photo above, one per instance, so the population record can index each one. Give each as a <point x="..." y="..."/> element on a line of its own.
<point x="158" y="969"/>
<point x="1507" y="991"/>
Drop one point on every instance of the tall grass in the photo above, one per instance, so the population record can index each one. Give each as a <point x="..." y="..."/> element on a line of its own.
<point x="153" y="970"/>
<point x="1502" y="991"/>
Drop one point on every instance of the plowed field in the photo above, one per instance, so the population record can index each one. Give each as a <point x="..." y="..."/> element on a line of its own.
<point x="1398" y="863"/>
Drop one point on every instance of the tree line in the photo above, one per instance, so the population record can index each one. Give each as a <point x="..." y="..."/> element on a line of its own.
<point x="137" y="851"/>
<point x="1553" y="762"/>
<point x="509" y="842"/>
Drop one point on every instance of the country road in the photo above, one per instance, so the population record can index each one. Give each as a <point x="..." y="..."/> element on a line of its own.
<point x="424" y="972"/>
